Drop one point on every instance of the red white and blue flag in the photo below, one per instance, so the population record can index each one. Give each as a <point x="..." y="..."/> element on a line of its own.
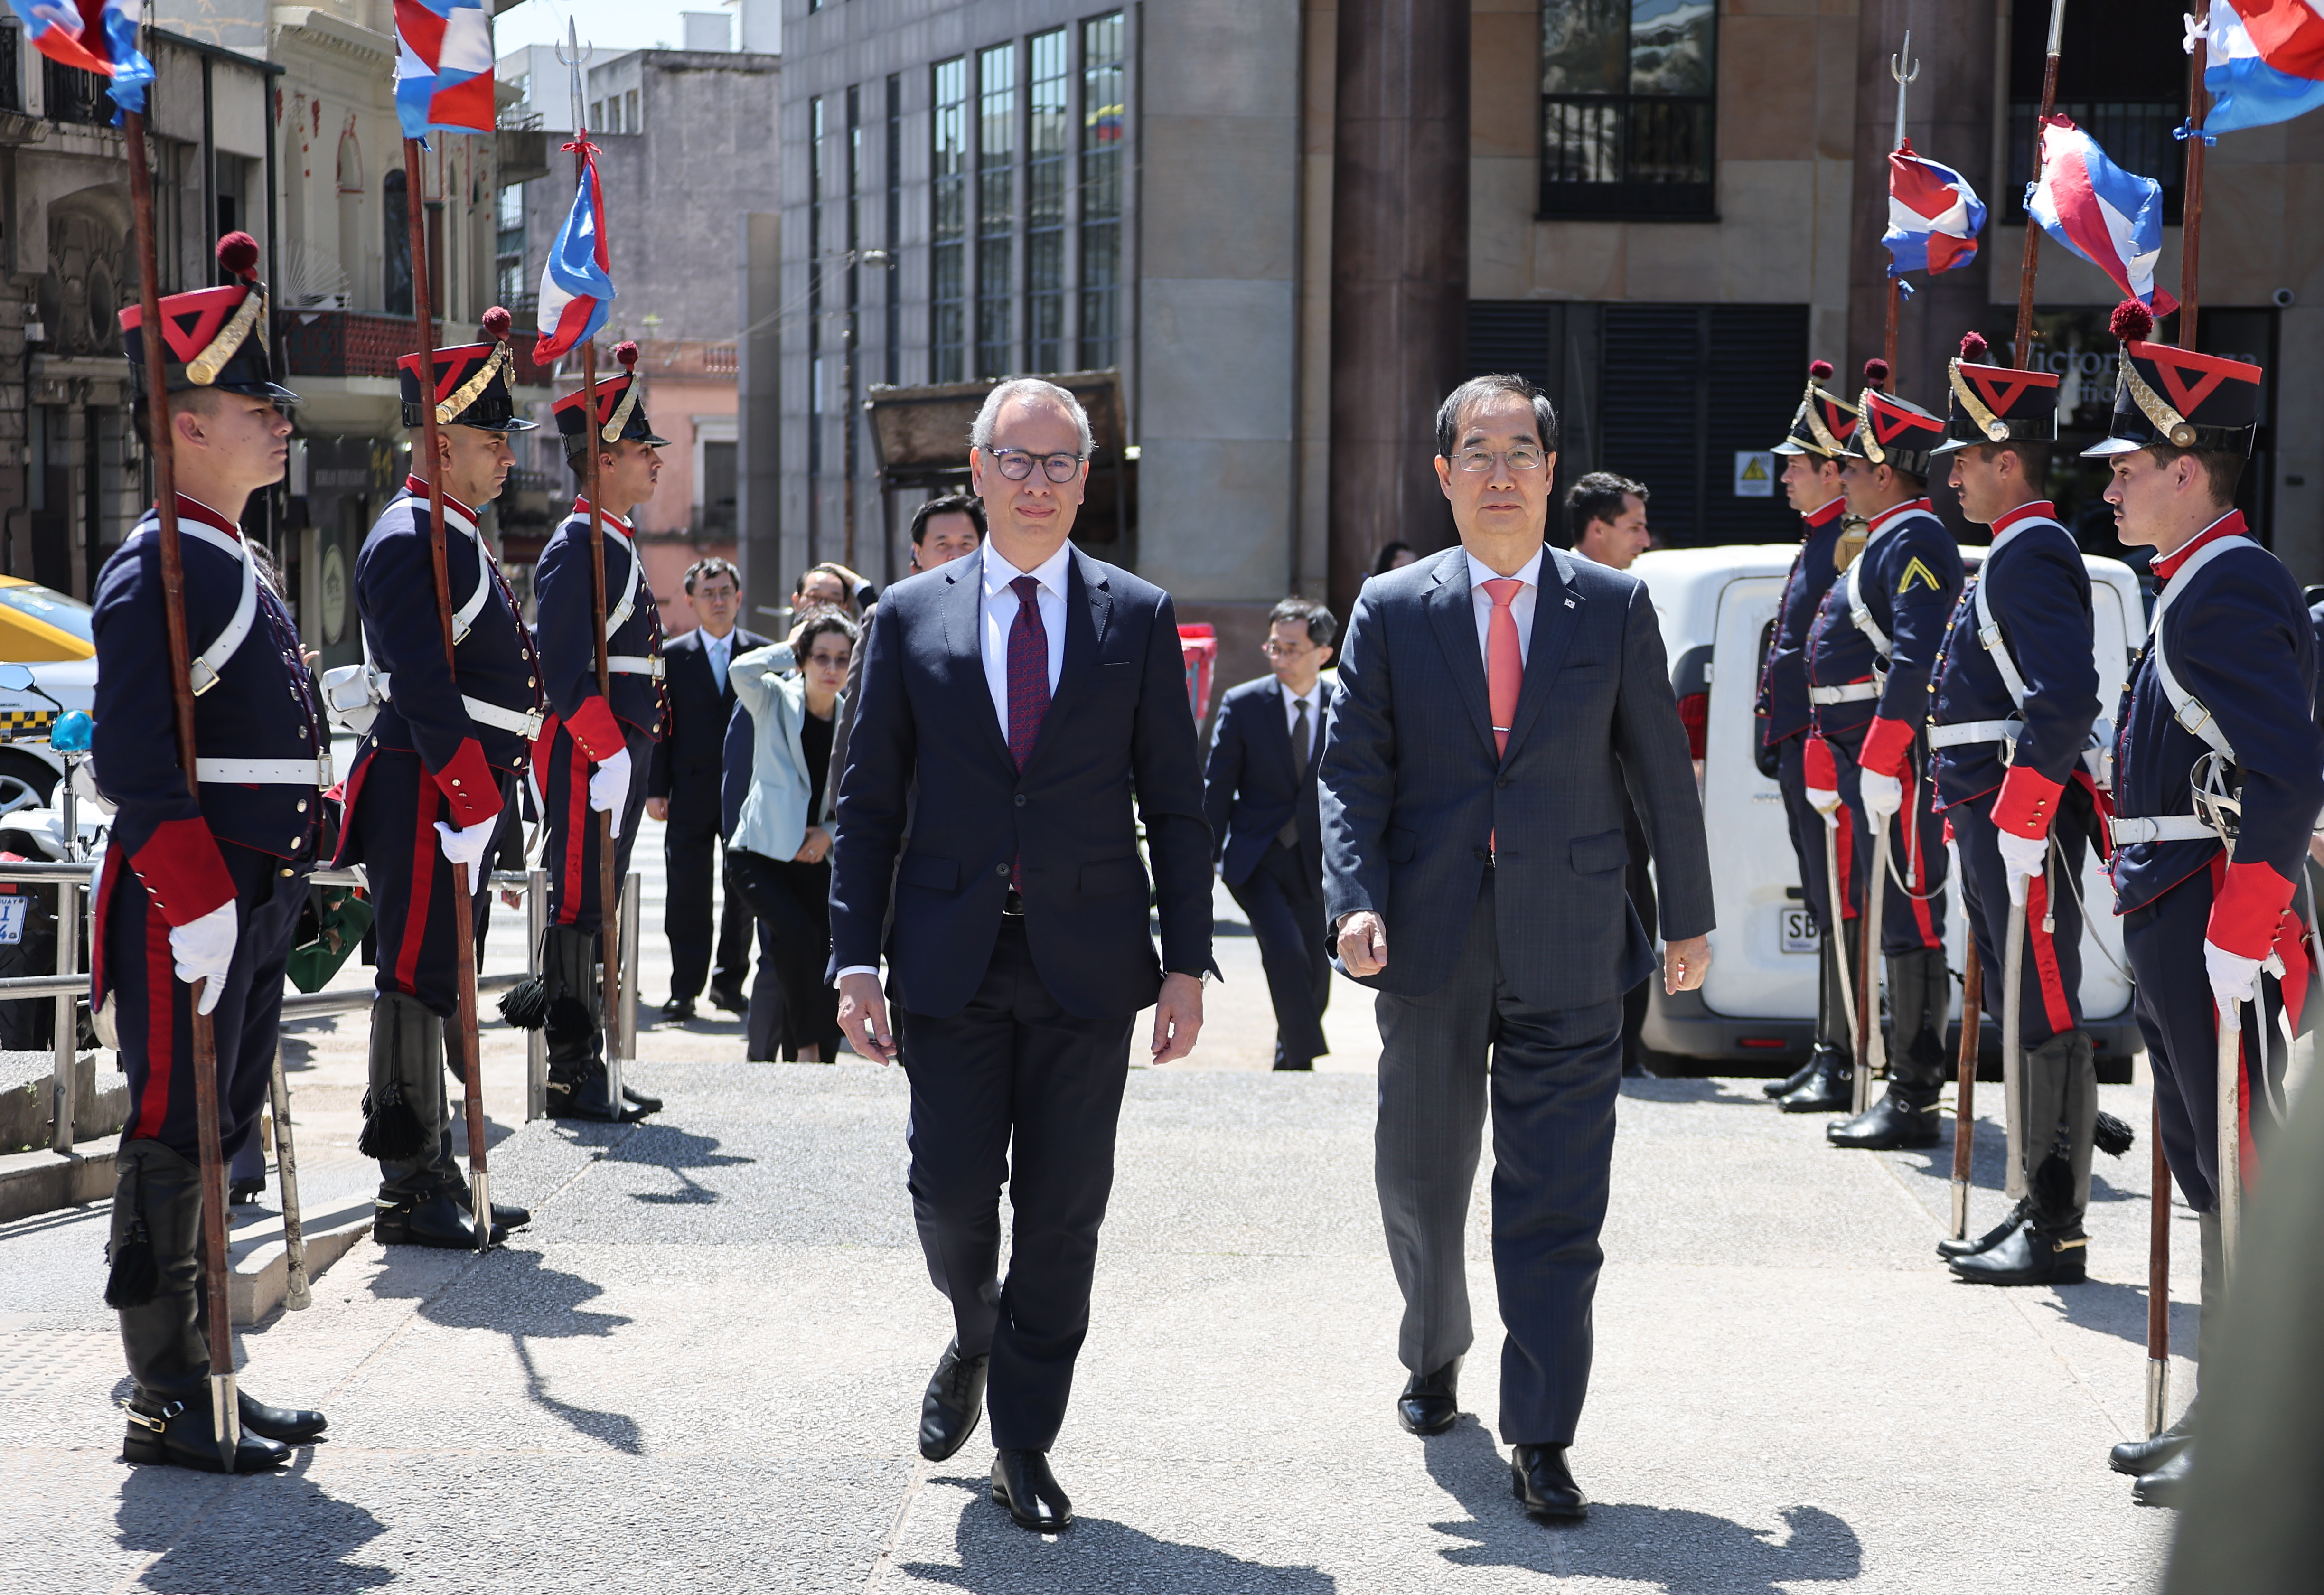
<point x="2111" y="218"/>
<point x="97" y="36"/>
<point x="2266" y="62"/>
<point x="576" y="287"/>
<point x="443" y="67"/>
<point x="1933" y="215"/>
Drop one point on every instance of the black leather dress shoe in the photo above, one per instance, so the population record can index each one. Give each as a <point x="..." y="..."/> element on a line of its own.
<point x="292" y="1425"/>
<point x="2029" y="1255"/>
<point x="2167" y="1485"/>
<point x="734" y="1002"/>
<point x="1539" y="1478"/>
<point x="439" y="1221"/>
<point x="1792" y="1081"/>
<point x="2139" y="1458"/>
<point x="1431" y="1402"/>
<point x="1887" y="1125"/>
<point x="244" y="1191"/>
<point x="678" y="1009"/>
<point x="1830" y="1088"/>
<point x="177" y="1433"/>
<point x="506" y="1215"/>
<point x="954" y="1401"/>
<point x="1969" y="1247"/>
<point x="1022" y="1482"/>
<point x="1303" y="1066"/>
<point x="641" y="1101"/>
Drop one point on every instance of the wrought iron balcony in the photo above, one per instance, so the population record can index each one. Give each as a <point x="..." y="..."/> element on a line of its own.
<point x="359" y="342"/>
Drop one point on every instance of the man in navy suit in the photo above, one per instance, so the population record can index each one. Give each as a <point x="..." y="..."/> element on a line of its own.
<point x="1259" y="792"/>
<point x="1498" y="702"/>
<point x="1035" y="689"/>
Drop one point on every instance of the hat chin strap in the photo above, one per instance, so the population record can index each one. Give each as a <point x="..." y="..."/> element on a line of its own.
<point x="203" y="369"/>
<point x="473" y="389"/>
<point x="613" y="429"/>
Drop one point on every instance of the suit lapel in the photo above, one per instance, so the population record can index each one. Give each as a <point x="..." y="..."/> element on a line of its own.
<point x="1558" y="607"/>
<point x="1276" y="731"/>
<point x="962" y="605"/>
<point x="1089" y="611"/>
<point x="1452" y="612"/>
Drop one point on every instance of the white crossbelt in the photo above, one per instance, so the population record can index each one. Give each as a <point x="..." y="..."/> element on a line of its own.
<point x="632" y="664"/>
<point x="463" y="619"/>
<point x="2193" y="716"/>
<point x="265" y="772"/>
<point x="1976" y="731"/>
<point x="2169" y="827"/>
<point x="204" y="673"/>
<point x="524" y="724"/>
<point x="1853" y="693"/>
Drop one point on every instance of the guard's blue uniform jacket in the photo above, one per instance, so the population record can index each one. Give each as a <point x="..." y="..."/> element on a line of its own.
<point x="1911" y="574"/>
<point x="1783" y="700"/>
<point x="565" y="593"/>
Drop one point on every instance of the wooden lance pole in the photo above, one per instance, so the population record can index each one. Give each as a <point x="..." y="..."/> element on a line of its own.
<point x="2022" y="347"/>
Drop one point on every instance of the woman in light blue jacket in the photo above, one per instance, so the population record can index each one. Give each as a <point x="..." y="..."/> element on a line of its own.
<point x="780" y="859"/>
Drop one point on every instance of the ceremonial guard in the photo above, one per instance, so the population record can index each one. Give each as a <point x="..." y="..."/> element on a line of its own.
<point x="2016" y="693"/>
<point x="198" y="892"/>
<point x="1819" y="432"/>
<point x="2219" y="776"/>
<point x="436" y="778"/>
<point x="595" y="754"/>
<point x="1869" y="658"/>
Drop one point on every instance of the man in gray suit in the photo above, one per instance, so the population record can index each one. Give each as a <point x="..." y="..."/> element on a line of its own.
<point x="1497" y="703"/>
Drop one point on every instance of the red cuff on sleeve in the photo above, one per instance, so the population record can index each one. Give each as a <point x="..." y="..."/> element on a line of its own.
<point x="593" y="726"/>
<point x="2028" y="802"/>
<point x="183" y="872"/>
<point x="2249" y="910"/>
<point x="1886" y="746"/>
<point x="1816" y="767"/>
<point x="467" y="782"/>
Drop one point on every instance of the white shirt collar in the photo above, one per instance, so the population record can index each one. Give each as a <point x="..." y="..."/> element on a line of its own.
<point x="1050" y="573"/>
<point x="1312" y="698"/>
<point x="1479" y="573"/>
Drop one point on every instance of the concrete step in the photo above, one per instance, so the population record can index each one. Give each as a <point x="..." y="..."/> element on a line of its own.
<point x="28" y="1097"/>
<point x="44" y="1181"/>
<point x="261" y="1264"/>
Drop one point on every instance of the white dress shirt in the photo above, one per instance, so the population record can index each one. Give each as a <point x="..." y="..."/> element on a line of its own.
<point x="1520" y="606"/>
<point x="720" y="652"/>
<point x="999" y="613"/>
<point x="1315" y="702"/>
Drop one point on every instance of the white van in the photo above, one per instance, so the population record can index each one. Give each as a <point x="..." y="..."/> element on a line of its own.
<point x="1757" y="1005"/>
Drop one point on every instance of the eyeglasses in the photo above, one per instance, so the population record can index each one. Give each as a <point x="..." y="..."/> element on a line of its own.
<point x="1016" y="465"/>
<point x="1275" y="650"/>
<point x="1522" y="460"/>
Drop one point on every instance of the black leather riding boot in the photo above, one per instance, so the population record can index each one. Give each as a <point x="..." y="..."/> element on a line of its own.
<point x="408" y="1124"/>
<point x="1918" y="988"/>
<point x="578" y="1087"/>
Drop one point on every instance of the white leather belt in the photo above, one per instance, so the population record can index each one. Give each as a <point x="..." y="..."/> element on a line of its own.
<point x="1855" y="692"/>
<point x="633" y="664"/>
<point x="265" y="772"/>
<point x="523" y="723"/>
<point x="2169" y="827"/>
<point x="1976" y="731"/>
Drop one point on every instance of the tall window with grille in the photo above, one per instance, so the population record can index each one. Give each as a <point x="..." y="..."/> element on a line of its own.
<point x="1102" y="114"/>
<point x="508" y="252"/>
<point x="854" y="223"/>
<point x="891" y="305"/>
<point x="996" y="210"/>
<point x="948" y="223"/>
<point x="2119" y="80"/>
<point x="1627" y="107"/>
<point x="1045" y="147"/>
<point x="815" y="373"/>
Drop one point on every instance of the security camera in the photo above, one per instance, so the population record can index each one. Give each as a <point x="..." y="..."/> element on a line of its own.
<point x="2281" y="299"/>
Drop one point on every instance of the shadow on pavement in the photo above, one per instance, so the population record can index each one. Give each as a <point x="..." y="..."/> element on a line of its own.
<point x="1725" y="1093"/>
<point x="665" y="1146"/>
<point x="2119" y="1310"/>
<point x="999" y="1558"/>
<point x="1682" y="1551"/>
<point x="213" y="1532"/>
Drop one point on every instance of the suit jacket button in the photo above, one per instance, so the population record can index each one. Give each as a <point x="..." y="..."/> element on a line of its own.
<point x="1002" y="870"/>
<point x="1021" y="799"/>
<point x="1478" y="852"/>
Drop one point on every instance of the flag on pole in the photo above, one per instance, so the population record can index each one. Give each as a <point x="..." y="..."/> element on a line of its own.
<point x="2111" y="218"/>
<point x="1933" y="215"/>
<point x="443" y="67"/>
<point x="97" y="36"/>
<point x="576" y="287"/>
<point x="2266" y="62"/>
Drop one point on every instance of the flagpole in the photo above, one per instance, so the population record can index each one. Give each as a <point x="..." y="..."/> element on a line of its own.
<point x="1904" y="74"/>
<point x="2190" y="238"/>
<point x="2023" y="346"/>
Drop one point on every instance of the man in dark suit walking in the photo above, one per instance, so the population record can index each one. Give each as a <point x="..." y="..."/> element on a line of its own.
<point x="1032" y="690"/>
<point x="682" y="789"/>
<point x="1258" y="793"/>
<point x="1497" y="703"/>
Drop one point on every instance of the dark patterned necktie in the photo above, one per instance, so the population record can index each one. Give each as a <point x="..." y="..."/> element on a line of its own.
<point x="1302" y="746"/>
<point x="1029" y="684"/>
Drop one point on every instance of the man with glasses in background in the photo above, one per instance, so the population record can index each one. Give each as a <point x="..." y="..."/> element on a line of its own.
<point x="1259" y="792"/>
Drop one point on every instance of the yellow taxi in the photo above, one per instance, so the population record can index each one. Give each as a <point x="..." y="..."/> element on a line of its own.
<point x="48" y="633"/>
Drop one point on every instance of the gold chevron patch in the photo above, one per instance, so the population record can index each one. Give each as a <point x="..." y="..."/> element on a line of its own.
<point x="1916" y="571"/>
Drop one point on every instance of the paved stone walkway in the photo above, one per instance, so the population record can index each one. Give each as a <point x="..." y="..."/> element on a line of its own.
<point x="700" y="1370"/>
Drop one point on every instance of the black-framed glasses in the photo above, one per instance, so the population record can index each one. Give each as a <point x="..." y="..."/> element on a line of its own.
<point x="1016" y="465"/>
<point x="1524" y="459"/>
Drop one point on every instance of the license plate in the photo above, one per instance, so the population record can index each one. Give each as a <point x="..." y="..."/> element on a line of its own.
<point x="12" y="919"/>
<point x="1796" y="929"/>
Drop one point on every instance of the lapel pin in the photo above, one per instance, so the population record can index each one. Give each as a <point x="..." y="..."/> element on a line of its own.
<point x="1569" y="604"/>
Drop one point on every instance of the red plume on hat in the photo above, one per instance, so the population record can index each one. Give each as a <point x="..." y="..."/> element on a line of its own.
<point x="1820" y="370"/>
<point x="1974" y="348"/>
<point x="626" y="352"/>
<point x="237" y="253"/>
<point x="2132" y="322"/>
<point x="496" y="324"/>
<point x="1875" y="373"/>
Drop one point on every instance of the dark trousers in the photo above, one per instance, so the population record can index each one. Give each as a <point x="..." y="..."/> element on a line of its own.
<point x="1807" y="831"/>
<point x="397" y="806"/>
<point x="2050" y="1001"/>
<point x="1913" y="902"/>
<point x="1639" y="880"/>
<point x="1285" y="904"/>
<point x="792" y="904"/>
<point x="689" y="853"/>
<point x="1551" y="1077"/>
<point x="569" y="853"/>
<point x="1014" y="1089"/>
<point x="153" y="1009"/>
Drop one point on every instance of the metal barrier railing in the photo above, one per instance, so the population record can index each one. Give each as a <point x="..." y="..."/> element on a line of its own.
<point x="69" y="986"/>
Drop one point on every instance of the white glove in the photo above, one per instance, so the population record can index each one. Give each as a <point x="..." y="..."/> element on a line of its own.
<point x="467" y="845"/>
<point x="609" y="783"/>
<point x="202" y="949"/>
<point x="2022" y="857"/>
<point x="1825" y="801"/>
<point x="2234" y="978"/>
<point x="1884" y="794"/>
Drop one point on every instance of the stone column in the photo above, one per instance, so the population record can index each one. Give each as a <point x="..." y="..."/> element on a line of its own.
<point x="1399" y="272"/>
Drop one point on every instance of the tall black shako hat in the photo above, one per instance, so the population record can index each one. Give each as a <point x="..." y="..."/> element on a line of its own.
<point x="471" y="383"/>
<point x="1892" y="431"/>
<point x="1823" y="421"/>
<point x="1997" y="403"/>
<point x="620" y="410"/>
<point x="2177" y="397"/>
<point x="213" y="338"/>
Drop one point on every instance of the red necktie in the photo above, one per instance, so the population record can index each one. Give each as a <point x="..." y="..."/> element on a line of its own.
<point x="1029" y="684"/>
<point x="1504" y="660"/>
